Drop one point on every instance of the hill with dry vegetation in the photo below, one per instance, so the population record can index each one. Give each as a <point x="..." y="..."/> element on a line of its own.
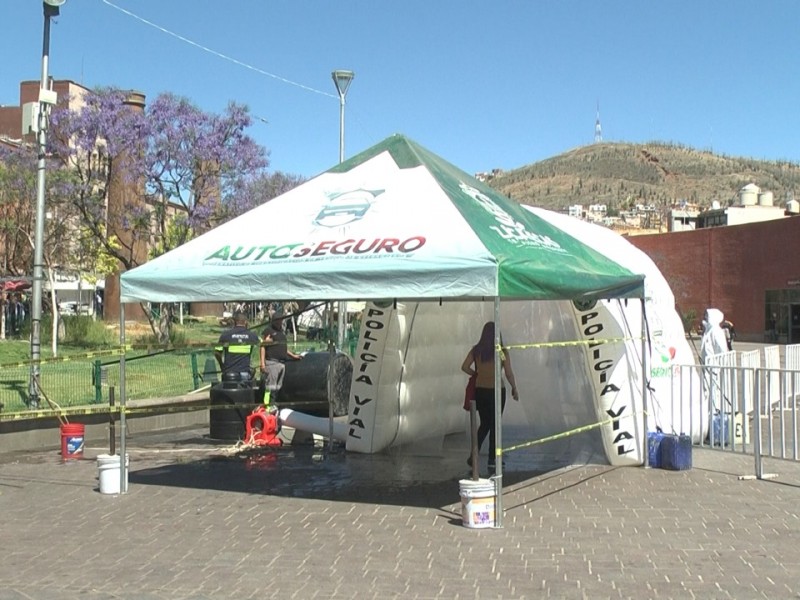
<point x="622" y="175"/>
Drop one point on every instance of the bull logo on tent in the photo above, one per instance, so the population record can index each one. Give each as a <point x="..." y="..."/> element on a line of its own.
<point x="342" y="209"/>
<point x="584" y="304"/>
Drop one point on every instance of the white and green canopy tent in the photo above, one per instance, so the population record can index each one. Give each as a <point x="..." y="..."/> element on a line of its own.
<point x="394" y="222"/>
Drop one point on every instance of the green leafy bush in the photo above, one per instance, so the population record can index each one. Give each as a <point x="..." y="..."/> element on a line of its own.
<point x="84" y="331"/>
<point x="689" y="317"/>
<point x="177" y="337"/>
<point x="76" y="330"/>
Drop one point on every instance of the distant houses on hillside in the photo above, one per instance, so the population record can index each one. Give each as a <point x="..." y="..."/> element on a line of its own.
<point x="753" y="206"/>
<point x="488" y="175"/>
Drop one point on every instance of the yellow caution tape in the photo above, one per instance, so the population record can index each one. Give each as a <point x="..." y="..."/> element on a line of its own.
<point x="128" y="410"/>
<point x="53" y="413"/>
<point x="115" y="351"/>
<point x="596" y="342"/>
<point x="120" y="351"/>
<point x="558" y="436"/>
<point x="147" y="348"/>
<point x="26" y="363"/>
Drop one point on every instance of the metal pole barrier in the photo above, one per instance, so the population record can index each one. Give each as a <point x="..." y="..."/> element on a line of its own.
<point x="98" y="378"/>
<point x="332" y="358"/>
<point x="687" y="379"/>
<point x="342" y="81"/>
<point x="342" y="317"/>
<point x="768" y="408"/>
<point x="38" y="239"/>
<point x="112" y="433"/>
<point x="794" y="415"/>
<point x="744" y="375"/>
<point x="196" y="377"/>
<point x="707" y="373"/>
<point x="498" y="420"/>
<point x="123" y="467"/>
<point x="757" y="427"/>
<point x="782" y="412"/>
<point x="646" y="451"/>
<point x="473" y="428"/>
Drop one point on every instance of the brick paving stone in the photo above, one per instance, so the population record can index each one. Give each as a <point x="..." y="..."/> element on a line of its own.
<point x="201" y="526"/>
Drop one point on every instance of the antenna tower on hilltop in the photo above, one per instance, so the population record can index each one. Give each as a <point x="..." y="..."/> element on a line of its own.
<point x="598" y="131"/>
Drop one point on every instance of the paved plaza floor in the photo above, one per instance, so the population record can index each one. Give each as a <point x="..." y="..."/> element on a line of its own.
<point x="302" y="522"/>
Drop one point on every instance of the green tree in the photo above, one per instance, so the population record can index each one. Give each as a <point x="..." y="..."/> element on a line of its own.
<point x="178" y="167"/>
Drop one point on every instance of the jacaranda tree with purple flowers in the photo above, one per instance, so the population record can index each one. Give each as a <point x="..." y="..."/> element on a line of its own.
<point x="148" y="180"/>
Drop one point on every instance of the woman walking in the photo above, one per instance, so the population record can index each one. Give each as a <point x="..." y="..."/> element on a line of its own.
<point x="480" y="362"/>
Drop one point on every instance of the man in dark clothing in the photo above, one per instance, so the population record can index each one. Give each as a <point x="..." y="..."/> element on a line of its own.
<point x="274" y="355"/>
<point x="274" y="343"/>
<point x="234" y="349"/>
<point x="730" y="333"/>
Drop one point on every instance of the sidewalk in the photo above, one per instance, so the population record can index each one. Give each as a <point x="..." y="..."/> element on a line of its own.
<point x="301" y="523"/>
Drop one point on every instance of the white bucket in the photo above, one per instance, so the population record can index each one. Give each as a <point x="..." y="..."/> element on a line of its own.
<point x="477" y="502"/>
<point x="108" y="472"/>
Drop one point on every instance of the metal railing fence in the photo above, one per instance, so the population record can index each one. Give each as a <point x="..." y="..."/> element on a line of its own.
<point x="744" y="408"/>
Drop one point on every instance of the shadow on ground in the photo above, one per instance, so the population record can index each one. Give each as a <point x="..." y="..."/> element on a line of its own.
<point x="316" y="473"/>
<point x="309" y="471"/>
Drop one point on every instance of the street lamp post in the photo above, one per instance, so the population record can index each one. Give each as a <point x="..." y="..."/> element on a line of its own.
<point x="47" y="98"/>
<point x="342" y="79"/>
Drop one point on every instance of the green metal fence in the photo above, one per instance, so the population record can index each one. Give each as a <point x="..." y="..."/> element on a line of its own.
<point x="85" y="381"/>
<point x="66" y="384"/>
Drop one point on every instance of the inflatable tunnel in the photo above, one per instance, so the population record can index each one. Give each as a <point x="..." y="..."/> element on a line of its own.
<point x="578" y="366"/>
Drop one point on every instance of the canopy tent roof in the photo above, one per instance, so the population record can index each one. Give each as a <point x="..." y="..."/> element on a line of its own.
<point x="395" y="221"/>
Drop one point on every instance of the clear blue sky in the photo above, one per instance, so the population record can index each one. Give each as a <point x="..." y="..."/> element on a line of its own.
<point x="482" y="84"/>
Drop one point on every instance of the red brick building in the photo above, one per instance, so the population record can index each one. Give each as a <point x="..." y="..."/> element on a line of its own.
<point x="750" y="272"/>
<point x="11" y="116"/>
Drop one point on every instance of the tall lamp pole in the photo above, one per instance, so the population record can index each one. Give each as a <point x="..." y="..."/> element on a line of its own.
<point x="47" y="98"/>
<point x="342" y="79"/>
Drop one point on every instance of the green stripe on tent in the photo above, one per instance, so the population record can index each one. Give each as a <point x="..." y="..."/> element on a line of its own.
<point x="535" y="259"/>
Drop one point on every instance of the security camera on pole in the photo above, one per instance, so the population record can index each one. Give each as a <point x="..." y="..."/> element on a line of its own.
<point x="47" y="99"/>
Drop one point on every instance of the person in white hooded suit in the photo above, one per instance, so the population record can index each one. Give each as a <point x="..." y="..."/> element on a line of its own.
<point x="714" y="341"/>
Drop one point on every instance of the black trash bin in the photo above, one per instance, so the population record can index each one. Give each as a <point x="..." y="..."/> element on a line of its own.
<point x="231" y="403"/>
<point x="305" y="384"/>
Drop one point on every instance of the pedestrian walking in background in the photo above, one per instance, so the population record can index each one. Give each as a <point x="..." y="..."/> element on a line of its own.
<point x="480" y="362"/>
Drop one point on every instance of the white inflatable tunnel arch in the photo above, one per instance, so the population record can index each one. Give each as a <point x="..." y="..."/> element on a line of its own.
<point x="408" y="388"/>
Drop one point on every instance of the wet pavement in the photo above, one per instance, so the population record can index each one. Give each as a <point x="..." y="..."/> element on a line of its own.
<point x="301" y="522"/>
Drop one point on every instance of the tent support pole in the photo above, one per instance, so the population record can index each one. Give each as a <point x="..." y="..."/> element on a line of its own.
<point x="331" y="359"/>
<point x="644" y="446"/>
<point x="498" y="421"/>
<point x="123" y="426"/>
